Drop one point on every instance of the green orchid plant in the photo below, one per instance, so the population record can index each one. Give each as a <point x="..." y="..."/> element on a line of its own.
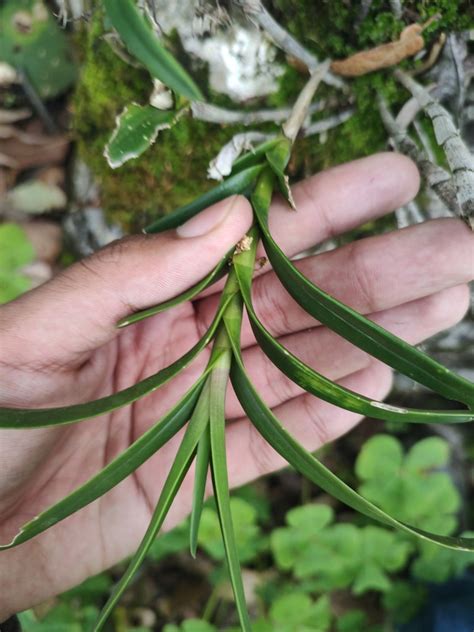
<point x="201" y="411"/>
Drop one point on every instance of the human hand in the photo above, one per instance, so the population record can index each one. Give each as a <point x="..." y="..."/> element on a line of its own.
<point x="59" y="345"/>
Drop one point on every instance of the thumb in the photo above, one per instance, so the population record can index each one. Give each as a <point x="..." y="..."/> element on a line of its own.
<point x="77" y="311"/>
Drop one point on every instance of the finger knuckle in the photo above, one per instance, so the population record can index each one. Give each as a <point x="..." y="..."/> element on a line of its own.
<point x="310" y="406"/>
<point x="361" y="276"/>
<point x="268" y="303"/>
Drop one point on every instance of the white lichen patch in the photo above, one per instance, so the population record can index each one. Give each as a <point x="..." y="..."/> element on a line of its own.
<point x="241" y="58"/>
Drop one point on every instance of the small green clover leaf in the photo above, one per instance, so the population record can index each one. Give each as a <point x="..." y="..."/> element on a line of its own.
<point x="337" y="556"/>
<point x="16" y="251"/>
<point x="249" y="538"/>
<point x="191" y="625"/>
<point x="297" y="612"/>
<point x="410" y="486"/>
<point x="61" y="618"/>
<point x="438" y="565"/>
<point x="355" y="621"/>
<point x="173" y="541"/>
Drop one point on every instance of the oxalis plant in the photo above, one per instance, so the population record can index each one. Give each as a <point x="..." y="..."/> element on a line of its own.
<point x="201" y="411"/>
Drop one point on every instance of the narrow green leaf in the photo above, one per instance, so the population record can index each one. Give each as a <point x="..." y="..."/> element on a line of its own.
<point x="217" y="273"/>
<point x="238" y="183"/>
<point x="278" y="157"/>
<point x="218" y="379"/>
<point x="184" y="456"/>
<point x="136" y="128"/>
<point x="317" y="384"/>
<point x="137" y="34"/>
<point x="359" y="330"/>
<point x="303" y="461"/>
<point x="200" y="478"/>
<point x="255" y="156"/>
<point x="117" y="470"/>
<point x="19" y="418"/>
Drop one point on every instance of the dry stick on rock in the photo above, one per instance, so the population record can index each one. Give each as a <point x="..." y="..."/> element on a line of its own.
<point x="409" y="214"/>
<point x="436" y="177"/>
<point x="295" y="121"/>
<point x="214" y="114"/>
<point x="318" y="127"/>
<point x="458" y="156"/>
<point x="256" y="12"/>
<point x="432" y="57"/>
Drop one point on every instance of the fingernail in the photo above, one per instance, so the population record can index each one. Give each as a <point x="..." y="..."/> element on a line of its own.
<point x="206" y="221"/>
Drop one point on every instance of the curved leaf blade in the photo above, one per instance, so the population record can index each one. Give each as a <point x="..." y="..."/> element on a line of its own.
<point x="254" y="156"/>
<point x="303" y="461"/>
<point x="312" y="381"/>
<point x="184" y="457"/>
<point x="200" y="479"/>
<point x="235" y="184"/>
<point x="117" y="470"/>
<point x="359" y="330"/>
<point x="136" y="128"/>
<point x="218" y="381"/>
<point x="215" y="275"/>
<point x="19" y="418"/>
<point x="142" y="42"/>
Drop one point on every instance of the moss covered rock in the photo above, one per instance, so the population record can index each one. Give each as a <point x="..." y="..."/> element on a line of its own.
<point x="174" y="170"/>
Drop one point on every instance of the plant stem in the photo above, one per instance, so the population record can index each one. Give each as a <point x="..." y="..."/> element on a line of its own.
<point x="303" y="102"/>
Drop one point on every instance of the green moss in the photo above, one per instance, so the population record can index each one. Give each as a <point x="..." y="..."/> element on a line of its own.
<point x="332" y="27"/>
<point x="171" y="172"/>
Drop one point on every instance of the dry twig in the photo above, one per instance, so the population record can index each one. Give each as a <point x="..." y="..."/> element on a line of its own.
<point x="318" y="127"/>
<point x="257" y="13"/>
<point x="436" y="177"/>
<point x="458" y="156"/>
<point x="214" y="114"/>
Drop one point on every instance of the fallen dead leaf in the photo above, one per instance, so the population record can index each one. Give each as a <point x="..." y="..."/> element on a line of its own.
<point x="24" y="151"/>
<point x="35" y="197"/>
<point x="410" y="42"/>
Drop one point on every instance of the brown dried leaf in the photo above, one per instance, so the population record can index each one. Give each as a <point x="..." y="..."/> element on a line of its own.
<point x="410" y="42"/>
<point x="27" y="151"/>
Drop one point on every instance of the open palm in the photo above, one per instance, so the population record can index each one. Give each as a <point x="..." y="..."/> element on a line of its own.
<point x="59" y="345"/>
